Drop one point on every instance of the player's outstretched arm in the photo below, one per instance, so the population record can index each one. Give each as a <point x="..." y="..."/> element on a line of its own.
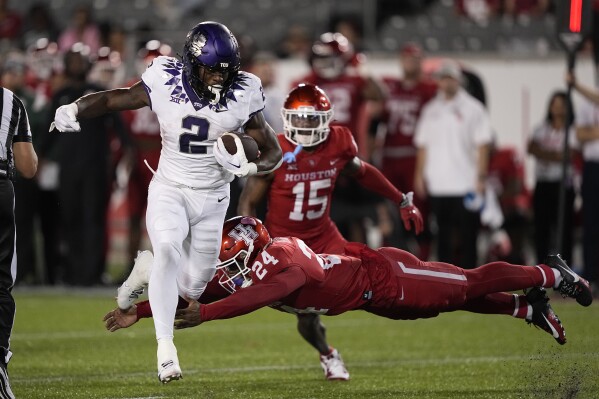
<point x="372" y="179"/>
<point x="271" y="155"/>
<point x="118" y="318"/>
<point x="100" y="103"/>
<point x="245" y="300"/>
<point x="253" y="193"/>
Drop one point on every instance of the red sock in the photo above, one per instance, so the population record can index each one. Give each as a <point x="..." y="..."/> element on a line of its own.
<point x="548" y="275"/>
<point x="503" y="276"/>
<point x="521" y="307"/>
<point x="499" y="303"/>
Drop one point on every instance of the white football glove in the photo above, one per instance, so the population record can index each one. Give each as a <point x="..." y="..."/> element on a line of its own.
<point x="236" y="164"/>
<point x="65" y="119"/>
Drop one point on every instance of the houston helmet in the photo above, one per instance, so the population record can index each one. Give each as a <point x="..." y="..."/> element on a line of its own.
<point x="44" y="59"/>
<point x="107" y="68"/>
<point x="152" y="49"/>
<point x="307" y="112"/>
<point x="330" y="55"/>
<point x="212" y="46"/>
<point x="243" y="238"/>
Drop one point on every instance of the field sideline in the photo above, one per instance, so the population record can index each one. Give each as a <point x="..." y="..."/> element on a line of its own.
<point x="62" y="351"/>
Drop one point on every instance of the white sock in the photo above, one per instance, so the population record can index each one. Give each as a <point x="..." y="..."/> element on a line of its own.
<point x="529" y="312"/>
<point x="163" y="292"/>
<point x="558" y="278"/>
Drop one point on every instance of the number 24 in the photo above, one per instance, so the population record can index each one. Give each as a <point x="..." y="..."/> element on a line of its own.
<point x="257" y="266"/>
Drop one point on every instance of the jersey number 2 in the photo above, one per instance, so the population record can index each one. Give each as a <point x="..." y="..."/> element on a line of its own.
<point x="187" y="140"/>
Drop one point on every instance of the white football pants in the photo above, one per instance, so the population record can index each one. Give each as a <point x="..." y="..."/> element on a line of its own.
<point x="185" y="228"/>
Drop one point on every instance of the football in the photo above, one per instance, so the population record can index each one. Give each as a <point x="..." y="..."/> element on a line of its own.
<point x="250" y="147"/>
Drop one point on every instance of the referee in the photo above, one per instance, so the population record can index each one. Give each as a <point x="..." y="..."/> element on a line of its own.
<point x="17" y="151"/>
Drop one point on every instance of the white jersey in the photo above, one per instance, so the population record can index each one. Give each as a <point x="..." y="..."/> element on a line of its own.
<point x="189" y="124"/>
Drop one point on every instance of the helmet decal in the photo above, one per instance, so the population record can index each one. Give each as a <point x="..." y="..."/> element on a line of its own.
<point x="197" y="44"/>
<point x="245" y="233"/>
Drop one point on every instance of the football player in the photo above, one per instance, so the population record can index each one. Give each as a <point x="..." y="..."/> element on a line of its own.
<point x="338" y="70"/>
<point x="196" y="101"/>
<point x="299" y="193"/>
<point x="144" y="128"/>
<point x="403" y="104"/>
<point x="284" y="273"/>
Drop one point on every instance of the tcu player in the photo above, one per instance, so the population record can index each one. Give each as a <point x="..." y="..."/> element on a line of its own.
<point x="286" y="274"/>
<point x="404" y="101"/>
<point x="299" y="193"/>
<point x="144" y="129"/>
<point x="196" y="102"/>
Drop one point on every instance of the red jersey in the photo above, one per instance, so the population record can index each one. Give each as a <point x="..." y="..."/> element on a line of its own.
<point x="287" y="275"/>
<point x="506" y="174"/>
<point x="299" y="198"/>
<point x="290" y="277"/>
<point x="402" y="110"/>
<point x="345" y="93"/>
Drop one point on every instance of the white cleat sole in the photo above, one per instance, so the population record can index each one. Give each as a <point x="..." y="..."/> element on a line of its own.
<point x="171" y="373"/>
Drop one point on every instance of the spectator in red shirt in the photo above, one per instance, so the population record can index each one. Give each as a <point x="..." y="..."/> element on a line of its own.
<point x="10" y="22"/>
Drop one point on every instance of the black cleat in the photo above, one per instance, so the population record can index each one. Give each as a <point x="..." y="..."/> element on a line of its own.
<point x="543" y="316"/>
<point x="572" y="284"/>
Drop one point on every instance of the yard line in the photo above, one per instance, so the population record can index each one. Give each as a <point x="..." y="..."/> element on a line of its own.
<point x="356" y="365"/>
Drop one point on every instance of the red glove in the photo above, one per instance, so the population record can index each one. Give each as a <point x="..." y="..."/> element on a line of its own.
<point x="409" y="213"/>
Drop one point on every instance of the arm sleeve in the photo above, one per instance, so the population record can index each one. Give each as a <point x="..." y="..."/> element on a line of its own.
<point x="257" y="101"/>
<point x="23" y="132"/>
<point x="255" y="297"/>
<point x="372" y="179"/>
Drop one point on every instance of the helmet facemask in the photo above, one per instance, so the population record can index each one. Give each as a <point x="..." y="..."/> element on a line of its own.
<point x="330" y="67"/>
<point x="234" y="273"/>
<point x="305" y="126"/>
<point x="212" y="92"/>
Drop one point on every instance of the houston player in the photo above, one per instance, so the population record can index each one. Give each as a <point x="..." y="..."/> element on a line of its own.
<point x="403" y="104"/>
<point x="299" y="193"/>
<point x="284" y="273"/>
<point x="196" y="101"/>
<point x="334" y="66"/>
<point x="339" y="71"/>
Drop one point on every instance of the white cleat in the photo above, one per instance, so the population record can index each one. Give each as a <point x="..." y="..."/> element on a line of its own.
<point x="137" y="281"/>
<point x="168" y="362"/>
<point x="333" y="366"/>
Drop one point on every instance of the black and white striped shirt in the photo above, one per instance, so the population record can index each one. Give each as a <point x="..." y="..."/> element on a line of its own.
<point x="14" y="125"/>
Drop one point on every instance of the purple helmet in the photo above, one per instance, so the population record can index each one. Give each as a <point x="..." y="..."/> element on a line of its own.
<point x="210" y="45"/>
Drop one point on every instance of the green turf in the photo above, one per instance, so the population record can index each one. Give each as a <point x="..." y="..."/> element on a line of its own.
<point x="62" y="351"/>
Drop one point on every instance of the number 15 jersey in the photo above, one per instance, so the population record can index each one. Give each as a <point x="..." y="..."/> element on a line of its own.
<point x="299" y="199"/>
<point x="190" y="124"/>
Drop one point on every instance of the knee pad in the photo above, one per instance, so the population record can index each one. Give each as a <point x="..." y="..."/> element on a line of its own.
<point x="194" y="286"/>
<point x="167" y="256"/>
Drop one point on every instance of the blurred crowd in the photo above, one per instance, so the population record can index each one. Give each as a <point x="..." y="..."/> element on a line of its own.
<point x="62" y="215"/>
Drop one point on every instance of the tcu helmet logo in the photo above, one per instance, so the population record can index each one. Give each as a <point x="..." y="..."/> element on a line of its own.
<point x="226" y="65"/>
<point x="244" y="232"/>
<point x="199" y="41"/>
